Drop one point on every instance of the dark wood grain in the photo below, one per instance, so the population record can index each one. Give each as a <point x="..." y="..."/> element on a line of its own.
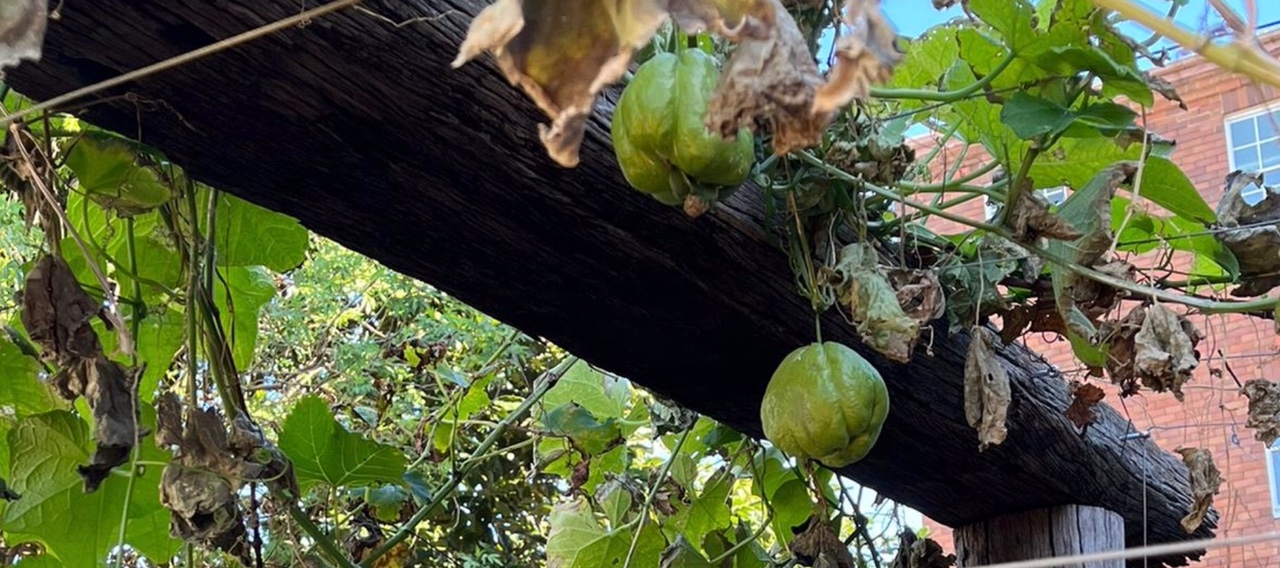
<point x="359" y="129"/>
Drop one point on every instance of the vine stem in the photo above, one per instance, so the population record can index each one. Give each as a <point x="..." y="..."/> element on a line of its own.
<point x="1205" y="306"/>
<point x="1237" y="57"/>
<point x="135" y="321"/>
<point x="947" y="96"/>
<point x="653" y="491"/>
<point x="540" y="387"/>
<point x="326" y="544"/>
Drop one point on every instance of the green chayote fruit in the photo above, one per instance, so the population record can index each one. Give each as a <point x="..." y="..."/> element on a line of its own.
<point x="662" y="144"/>
<point x="825" y="402"/>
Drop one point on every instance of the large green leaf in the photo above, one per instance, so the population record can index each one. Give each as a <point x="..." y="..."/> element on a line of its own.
<point x="21" y="388"/>
<point x="708" y="512"/>
<point x="1074" y="161"/>
<point x="603" y="396"/>
<point x="589" y="434"/>
<point x="249" y="235"/>
<point x="324" y="452"/>
<point x="1030" y="116"/>
<point x="250" y="288"/>
<point x="1164" y="184"/>
<point x="159" y="266"/>
<point x="577" y="540"/>
<point x="107" y="171"/>
<point x="81" y="528"/>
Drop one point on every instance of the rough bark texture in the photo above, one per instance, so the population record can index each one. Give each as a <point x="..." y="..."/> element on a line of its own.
<point x="1068" y="530"/>
<point x="360" y="129"/>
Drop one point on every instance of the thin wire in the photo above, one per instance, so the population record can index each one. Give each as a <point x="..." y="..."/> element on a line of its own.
<point x="1140" y="552"/>
<point x="182" y="59"/>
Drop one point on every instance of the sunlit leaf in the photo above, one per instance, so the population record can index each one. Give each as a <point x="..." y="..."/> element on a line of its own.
<point x="324" y="452"/>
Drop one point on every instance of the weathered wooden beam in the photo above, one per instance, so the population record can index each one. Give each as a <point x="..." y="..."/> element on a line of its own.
<point x="1067" y="530"/>
<point x="359" y="128"/>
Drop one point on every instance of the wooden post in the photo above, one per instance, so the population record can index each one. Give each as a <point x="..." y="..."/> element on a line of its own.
<point x="1066" y="530"/>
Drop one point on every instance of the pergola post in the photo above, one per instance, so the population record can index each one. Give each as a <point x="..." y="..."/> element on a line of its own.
<point x="1066" y="530"/>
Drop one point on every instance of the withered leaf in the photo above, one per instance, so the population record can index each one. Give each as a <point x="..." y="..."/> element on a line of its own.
<point x="986" y="388"/>
<point x="1264" y="409"/>
<point x="770" y="82"/>
<point x="919" y="293"/>
<point x="108" y="389"/>
<point x="1030" y="219"/>
<point x="1256" y="248"/>
<point x="56" y="312"/>
<point x="1164" y="350"/>
<point x="22" y="26"/>
<point x="1119" y="336"/>
<point x="1205" y="481"/>
<point x="916" y="552"/>
<point x="1084" y="397"/>
<point x="864" y="56"/>
<point x="561" y="54"/>
<point x="873" y="305"/>
<point x="818" y="543"/>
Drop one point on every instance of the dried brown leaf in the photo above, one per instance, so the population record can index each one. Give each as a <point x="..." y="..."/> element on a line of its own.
<point x="56" y="312"/>
<point x="561" y="54"/>
<point x="919" y="293"/>
<point x="770" y="82"/>
<point x="986" y="388"/>
<point x="108" y="389"/>
<point x="1030" y="219"/>
<point x="864" y="56"/>
<point x="1119" y="336"/>
<point x="1084" y="397"/>
<point x="1164" y="350"/>
<point x="916" y="552"/>
<point x="1205" y="481"/>
<point x="818" y="543"/>
<point x="1264" y="409"/>
<point x="1257" y="247"/>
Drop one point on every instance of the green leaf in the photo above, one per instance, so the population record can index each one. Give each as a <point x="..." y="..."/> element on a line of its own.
<point x="1030" y="117"/>
<point x="1164" y="184"/>
<point x="603" y="396"/>
<point x="249" y="235"/>
<point x="589" y="434"/>
<point x="707" y="513"/>
<point x="1074" y="161"/>
<point x="160" y="336"/>
<point x="108" y="173"/>
<point x="615" y="501"/>
<point x="1123" y="79"/>
<point x="681" y="554"/>
<point x="577" y="540"/>
<point x="79" y="528"/>
<point x="250" y="288"/>
<point x="387" y="501"/>
<point x="21" y="389"/>
<point x="324" y="452"/>
<point x="604" y="466"/>
<point x="159" y="266"/>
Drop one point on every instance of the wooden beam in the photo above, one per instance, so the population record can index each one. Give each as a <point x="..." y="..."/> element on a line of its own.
<point x="1067" y="530"/>
<point x="359" y="128"/>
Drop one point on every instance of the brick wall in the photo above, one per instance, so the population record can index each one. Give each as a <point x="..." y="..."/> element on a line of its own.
<point x="1213" y="413"/>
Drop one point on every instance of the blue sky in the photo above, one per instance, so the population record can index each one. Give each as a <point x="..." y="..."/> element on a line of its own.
<point x="912" y="17"/>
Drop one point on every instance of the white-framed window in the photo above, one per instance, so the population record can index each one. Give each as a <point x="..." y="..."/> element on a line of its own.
<point x="1253" y="145"/>
<point x="1273" y="470"/>
<point x="1054" y="195"/>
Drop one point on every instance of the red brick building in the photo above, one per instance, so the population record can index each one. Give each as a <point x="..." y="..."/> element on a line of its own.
<point x="1230" y="124"/>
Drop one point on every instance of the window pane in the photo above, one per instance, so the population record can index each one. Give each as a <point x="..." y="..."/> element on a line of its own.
<point x="1270" y="153"/>
<point x="1272" y="178"/>
<point x="1242" y="132"/>
<point x="1267" y="125"/>
<point x="1247" y="159"/>
<point x="1253" y="194"/>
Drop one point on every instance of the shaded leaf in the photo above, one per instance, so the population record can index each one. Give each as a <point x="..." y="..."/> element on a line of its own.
<point x="577" y="540"/>
<point x="324" y="452"/>
<point x="1030" y="219"/>
<point x="1030" y="117"/>
<point x="590" y="435"/>
<point x="919" y="294"/>
<point x="873" y="305"/>
<point x="107" y="170"/>
<point x="1165" y="184"/>
<point x="708" y="512"/>
<point x="681" y="554"/>
<point x="916" y="552"/>
<point x="22" y="391"/>
<point x="986" y="388"/>
<point x="1205" y="481"/>
<point x="819" y="545"/>
<point x="1264" y="409"/>
<point x="240" y="295"/>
